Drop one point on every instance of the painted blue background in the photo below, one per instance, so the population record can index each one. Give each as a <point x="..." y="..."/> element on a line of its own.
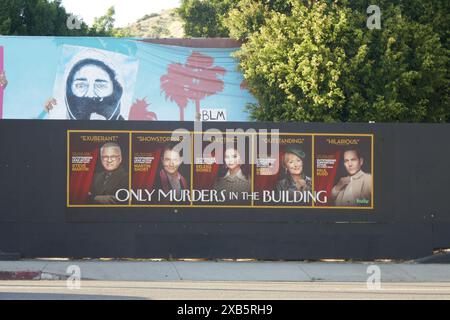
<point x="31" y="65"/>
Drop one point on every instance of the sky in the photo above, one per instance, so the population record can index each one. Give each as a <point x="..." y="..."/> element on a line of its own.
<point x="127" y="11"/>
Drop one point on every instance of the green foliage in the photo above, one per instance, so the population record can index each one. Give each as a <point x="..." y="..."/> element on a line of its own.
<point x="104" y="25"/>
<point x="248" y="16"/>
<point x="319" y="62"/>
<point x="36" y="18"/>
<point x="49" y="18"/>
<point x="316" y="60"/>
<point x="295" y="64"/>
<point x="121" y="33"/>
<point x="223" y="18"/>
<point x="205" y="18"/>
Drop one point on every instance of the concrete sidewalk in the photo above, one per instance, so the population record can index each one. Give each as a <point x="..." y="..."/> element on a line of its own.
<point x="222" y="271"/>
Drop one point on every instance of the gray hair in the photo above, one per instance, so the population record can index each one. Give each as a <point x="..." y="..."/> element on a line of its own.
<point x="110" y="145"/>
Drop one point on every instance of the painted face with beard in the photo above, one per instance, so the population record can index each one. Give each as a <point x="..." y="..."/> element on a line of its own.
<point x="92" y="92"/>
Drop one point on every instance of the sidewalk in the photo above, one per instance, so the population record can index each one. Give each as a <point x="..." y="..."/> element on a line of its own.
<point x="222" y="271"/>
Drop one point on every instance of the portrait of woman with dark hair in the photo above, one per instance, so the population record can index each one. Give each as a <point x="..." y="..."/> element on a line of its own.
<point x="233" y="176"/>
<point x="293" y="177"/>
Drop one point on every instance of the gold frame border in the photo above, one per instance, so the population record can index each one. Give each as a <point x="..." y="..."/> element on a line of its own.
<point x="192" y="133"/>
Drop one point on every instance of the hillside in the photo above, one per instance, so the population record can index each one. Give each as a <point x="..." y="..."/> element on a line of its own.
<point x="165" y="24"/>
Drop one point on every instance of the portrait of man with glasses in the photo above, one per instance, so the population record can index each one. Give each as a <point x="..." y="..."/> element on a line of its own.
<point x="111" y="178"/>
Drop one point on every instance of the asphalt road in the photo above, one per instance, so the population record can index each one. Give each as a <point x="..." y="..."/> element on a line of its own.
<point x="188" y="290"/>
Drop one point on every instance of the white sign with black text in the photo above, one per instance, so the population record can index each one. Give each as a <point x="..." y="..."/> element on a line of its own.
<point x="213" y="115"/>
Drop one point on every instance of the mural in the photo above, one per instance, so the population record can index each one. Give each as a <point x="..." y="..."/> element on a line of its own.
<point x="117" y="79"/>
<point x="194" y="80"/>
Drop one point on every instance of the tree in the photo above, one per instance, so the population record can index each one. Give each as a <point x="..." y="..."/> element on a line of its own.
<point x="194" y="81"/>
<point x="205" y="18"/>
<point x="49" y="18"/>
<point x="435" y="13"/>
<point x="248" y="16"/>
<point x="320" y="63"/>
<point x="173" y="89"/>
<point x="223" y="18"/>
<point x="104" y="25"/>
<point x="36" y="18"/>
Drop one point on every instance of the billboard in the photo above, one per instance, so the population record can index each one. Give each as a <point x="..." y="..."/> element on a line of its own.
<point x="235" y="169"/>
<point x="80" y="78"/>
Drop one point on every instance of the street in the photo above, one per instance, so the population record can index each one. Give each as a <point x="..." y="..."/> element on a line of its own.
<point x="217" y="290"/>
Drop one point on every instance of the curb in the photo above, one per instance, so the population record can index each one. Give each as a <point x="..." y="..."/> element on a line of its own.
<point x="29" y="275"/>
<point x="440" y="258"/>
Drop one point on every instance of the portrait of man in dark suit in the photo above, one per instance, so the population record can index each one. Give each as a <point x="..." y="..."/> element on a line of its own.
<point x="112" y="177"/>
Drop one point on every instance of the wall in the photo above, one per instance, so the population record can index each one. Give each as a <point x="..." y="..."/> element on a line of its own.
<point x="411" y="214"/>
